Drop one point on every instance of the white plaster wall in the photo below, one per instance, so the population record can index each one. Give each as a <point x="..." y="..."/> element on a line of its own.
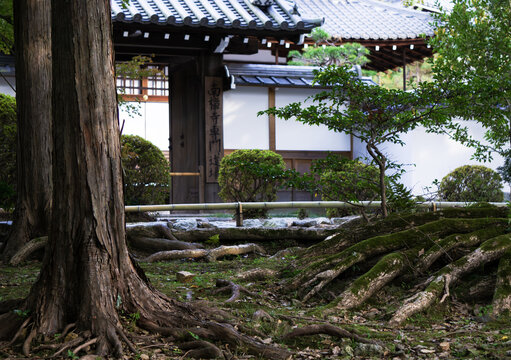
<point x="431" y="156"/>
<point x="293" y="135"/>
<point x="243" y="129"/>
<point x="261" y="57"/>
<point x="5" y="88"/>
<point x="152" y="124"/>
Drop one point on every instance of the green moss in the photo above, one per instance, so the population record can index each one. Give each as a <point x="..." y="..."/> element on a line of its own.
<point x="496" y="243"/>
<point x="388" y="264"/>
<point x="503" y="287"/>
<point x="391" y="242"/>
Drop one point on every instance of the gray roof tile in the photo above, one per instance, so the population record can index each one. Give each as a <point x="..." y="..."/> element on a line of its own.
<point x="275" y="75"/>
<point x="367" y="19"/>
<point x="229" y="14"/>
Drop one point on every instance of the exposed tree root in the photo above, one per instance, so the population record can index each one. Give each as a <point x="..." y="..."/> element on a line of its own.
<point x="236" y="290"/>
<point x="160" y="230"/>
<point x="28" y="249"/>
<point x="234" y="250"/>
<point x="324" y="271"/>
<point x="502" y="297"/>
<point x="353" y="233"/>
<point x="209" y="255"/>
<point x="68" y="345"/>
<point x="9" y="305"/>
<point x="445" y="245"/>
<point x="490" y="250"/>
<point x="254" y="347"/>
<point x="257" y="274"/>
<point x="328" y="330"/>
<point x="157" y="244"/>
<point x="27" y="343"/>
<point x="20" y="329"/>
<point x="156" y="238"/>
<point x="200" y="349"/>
<point x="386" y="270"/>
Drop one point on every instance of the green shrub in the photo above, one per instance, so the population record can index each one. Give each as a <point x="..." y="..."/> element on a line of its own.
<point x="146" y="172"/>
<point x="471" y="183"/>
<point x="250" y="175"/>
<point x="7" y="151"/>
<point x="346" y="180"/>
<point x="340" y="179"/>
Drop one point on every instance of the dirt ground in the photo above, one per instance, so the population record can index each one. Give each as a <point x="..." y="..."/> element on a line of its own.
<point x="452" y="330"/>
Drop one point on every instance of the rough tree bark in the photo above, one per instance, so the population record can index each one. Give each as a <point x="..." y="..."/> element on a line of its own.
<point x="87" y="277"/>
<point x="33" y="98"/>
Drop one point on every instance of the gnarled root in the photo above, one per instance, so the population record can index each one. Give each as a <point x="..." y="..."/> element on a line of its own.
<point x="490" y="250"/>
<point x="156" y="238"/>
<point x="200" y="349"/>
<point x="209" y="255"/>
<point x="28" y="249"/>
<point x="332" y="267"/>
<point x="227" y="333"/>
<point x="225" y="285"/>
<point x="328" y="330"/>
<point x="351" y="234"/>
<point x="502" y="296"/>
<point x="234" y="250"/>
<point x="445" y="245"/>
<point x="386" y="270"/>
<point x="256" y="274"/>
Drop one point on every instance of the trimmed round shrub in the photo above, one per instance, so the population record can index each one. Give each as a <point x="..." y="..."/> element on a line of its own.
<point x="350" y="181"/>
<point x="7" y="151"/>
<point x="146" y="172"/>
<point x="250" y="175"/>
<point x="471" y="183"/>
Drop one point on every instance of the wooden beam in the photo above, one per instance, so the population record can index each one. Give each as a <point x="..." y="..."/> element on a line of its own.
<point x="271" y="119"/>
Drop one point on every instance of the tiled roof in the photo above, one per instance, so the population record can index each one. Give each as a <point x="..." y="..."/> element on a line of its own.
<point x="275" y="75"/>
<point x="229" y="14"/>
<point x="367" y="19"/>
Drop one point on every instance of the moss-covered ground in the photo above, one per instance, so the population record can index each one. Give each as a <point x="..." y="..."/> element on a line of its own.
<point x="452" y="330"/>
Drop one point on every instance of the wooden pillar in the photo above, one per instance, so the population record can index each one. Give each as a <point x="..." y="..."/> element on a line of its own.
<point x="271" y="119"/>
<point x="185" y="123"/>
<point x="404" y="69"/>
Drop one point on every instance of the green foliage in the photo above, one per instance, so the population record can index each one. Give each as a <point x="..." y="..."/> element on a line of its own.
<point x="473" y="68"/>
<point x="7" y="151"/>
<point x="400" y="198"/>
<point x="6" y="27"/>
<point x="72" y="355"/>
<point x="302" y="213"/>
<point x="22" y="313"/>
<point x="505" y="170"/>
<point x="146" y="172"/>
<point x="393" y="79"/>
<point x="471" y="183"/>
<point x="372" y="114"/>
<point x="213" y="240"/>
<point x="346" y="180"/>
<point x="250" y="175"/>
<point x="325" y="53"/>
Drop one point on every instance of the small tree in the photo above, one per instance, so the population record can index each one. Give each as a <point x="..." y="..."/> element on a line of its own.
<point x="325" y="52"/>
<point x="471" y="183"/>
<point x="372" y="114"/>
<point x="250" y="175"/>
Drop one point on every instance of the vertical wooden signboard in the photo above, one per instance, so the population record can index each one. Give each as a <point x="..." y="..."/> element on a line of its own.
<point x="214" y="127"/>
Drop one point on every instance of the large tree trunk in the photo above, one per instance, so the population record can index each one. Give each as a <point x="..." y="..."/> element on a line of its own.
<point x="86" y="258"/>
<point x="33" y="97"/>
<point x="87" y="277"/>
